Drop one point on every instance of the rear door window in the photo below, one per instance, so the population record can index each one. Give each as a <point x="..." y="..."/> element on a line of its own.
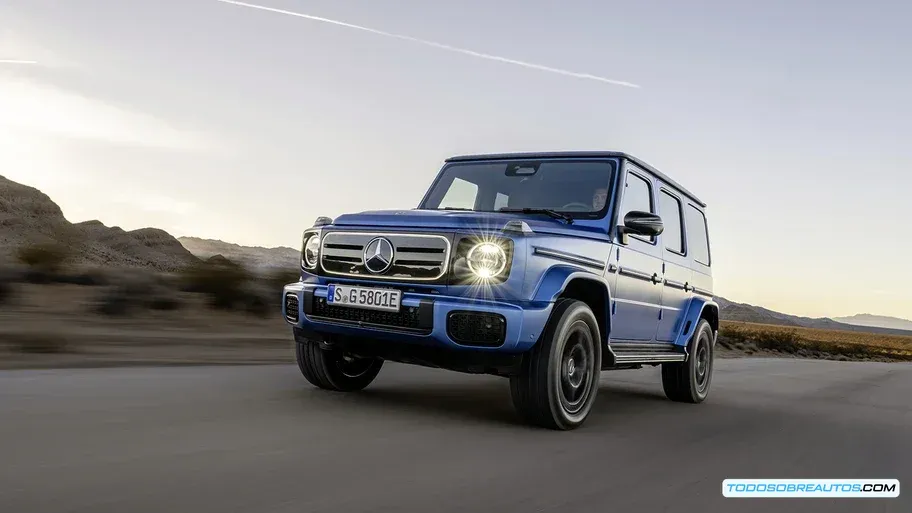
<point x="673" y="234"/>
<point x="697" y="235"/>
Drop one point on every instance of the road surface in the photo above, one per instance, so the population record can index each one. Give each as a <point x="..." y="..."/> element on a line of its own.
<point x="259" y="439"/>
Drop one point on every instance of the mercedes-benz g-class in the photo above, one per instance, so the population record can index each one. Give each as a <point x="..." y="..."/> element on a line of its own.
<point x="545" y="268"/>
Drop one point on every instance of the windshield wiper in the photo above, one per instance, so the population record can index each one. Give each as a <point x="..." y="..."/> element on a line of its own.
<point x="547" y="211"/>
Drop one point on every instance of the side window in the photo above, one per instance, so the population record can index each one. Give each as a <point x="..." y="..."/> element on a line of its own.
<point x="697" y="235"/>
<point x="637" y="196"/>
<point x="461" y="194"/>
<point x="673" y="234"/>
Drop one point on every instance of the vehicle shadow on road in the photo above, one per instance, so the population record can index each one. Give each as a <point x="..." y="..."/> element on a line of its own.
<point x="487" y="402"/>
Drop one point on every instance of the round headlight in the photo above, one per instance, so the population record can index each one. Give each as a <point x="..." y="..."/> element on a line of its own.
<point x="487" y="260"/>
<point x="311" y="251"/>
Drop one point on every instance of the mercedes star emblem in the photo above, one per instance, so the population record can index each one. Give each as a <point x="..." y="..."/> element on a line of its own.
<point x="378" y="255"/>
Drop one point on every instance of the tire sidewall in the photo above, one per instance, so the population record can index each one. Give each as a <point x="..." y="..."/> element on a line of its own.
<point x="319" y="367"/>
<point x="342" y="381"/>
<point x="703" y="336"/>
<point x="577" y="312"/>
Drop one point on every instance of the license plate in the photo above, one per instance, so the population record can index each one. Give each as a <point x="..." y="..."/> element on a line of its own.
<point x="364" y="297"/>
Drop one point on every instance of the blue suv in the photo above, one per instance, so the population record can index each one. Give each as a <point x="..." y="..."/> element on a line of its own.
<point x="545" y="268"/>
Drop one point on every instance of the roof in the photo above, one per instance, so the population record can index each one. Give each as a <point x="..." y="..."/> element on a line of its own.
<point x="578" y="154"/>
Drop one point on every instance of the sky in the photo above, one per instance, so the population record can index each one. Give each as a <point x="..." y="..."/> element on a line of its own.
<point x="791" y="120"/>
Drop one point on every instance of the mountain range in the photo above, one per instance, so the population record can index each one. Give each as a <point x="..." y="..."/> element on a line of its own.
<point x="28" y="216"/>
<point x="876" y="320"/>
<point x="253" y="257"/>
<point x="732" y="311"/>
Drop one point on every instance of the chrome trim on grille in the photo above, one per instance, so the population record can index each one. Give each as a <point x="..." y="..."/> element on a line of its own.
<point x="444" y="264"/>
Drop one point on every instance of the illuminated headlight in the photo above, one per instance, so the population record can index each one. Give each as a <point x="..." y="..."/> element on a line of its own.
<point x="311" y="251"/>
<point x="487" y="260"/>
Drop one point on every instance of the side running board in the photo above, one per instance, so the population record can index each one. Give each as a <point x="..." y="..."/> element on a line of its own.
<point x="648" y="353"/>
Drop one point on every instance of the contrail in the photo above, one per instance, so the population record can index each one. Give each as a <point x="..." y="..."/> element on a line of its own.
<point x="441" y="46"/>
<point x="16" y="61"/>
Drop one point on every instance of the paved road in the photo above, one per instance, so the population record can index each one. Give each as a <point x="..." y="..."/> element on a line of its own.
<point x="258" y="439"/>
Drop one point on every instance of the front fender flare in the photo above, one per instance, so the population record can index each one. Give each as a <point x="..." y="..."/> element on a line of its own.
<point x="556" y="278"/>
<point x="555" y="281"/>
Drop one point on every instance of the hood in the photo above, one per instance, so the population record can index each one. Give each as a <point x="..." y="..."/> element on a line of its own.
<point x="454" y="220"/>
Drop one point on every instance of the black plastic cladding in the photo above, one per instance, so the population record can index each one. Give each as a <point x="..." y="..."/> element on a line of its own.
<point x="480" y="329"/>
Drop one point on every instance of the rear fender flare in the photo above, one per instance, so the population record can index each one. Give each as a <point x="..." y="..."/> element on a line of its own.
<point x="695" y="309"/>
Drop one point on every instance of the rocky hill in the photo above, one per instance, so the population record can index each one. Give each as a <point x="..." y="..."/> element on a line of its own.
<point x="255" y="257"/>
<point x="28" y="216"/>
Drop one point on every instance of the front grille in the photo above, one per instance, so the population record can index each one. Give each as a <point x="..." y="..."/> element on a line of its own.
<point x="477" y="328"/>
<point x="419" y="319"/>
<point x="291" y="307"/>
<point x="417" y="257"/>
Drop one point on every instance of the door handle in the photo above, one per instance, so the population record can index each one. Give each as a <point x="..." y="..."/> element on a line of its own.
<point x="655" y="278"/>
<point x="687" y="287"/>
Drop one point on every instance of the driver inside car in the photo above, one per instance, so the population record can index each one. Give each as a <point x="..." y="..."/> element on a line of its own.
<point x="599" y="197"/>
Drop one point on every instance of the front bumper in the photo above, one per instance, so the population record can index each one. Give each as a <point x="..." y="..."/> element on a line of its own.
<point x="423" y="320"/>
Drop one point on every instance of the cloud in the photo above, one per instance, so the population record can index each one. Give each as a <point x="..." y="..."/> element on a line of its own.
<point x="16" y="61"/>
<point x="33" y="107"/>
<point x="441" y="46"/>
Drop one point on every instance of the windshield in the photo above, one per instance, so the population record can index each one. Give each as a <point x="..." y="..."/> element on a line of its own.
<point x="576" y="188"/>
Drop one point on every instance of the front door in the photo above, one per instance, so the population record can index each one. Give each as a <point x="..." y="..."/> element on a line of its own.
<point x="638" y="293"/>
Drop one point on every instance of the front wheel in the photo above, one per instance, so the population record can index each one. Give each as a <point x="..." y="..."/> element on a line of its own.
<point x="335" y="369"/>
<point x="688" y="382"/>
<point x="560" y="375"/>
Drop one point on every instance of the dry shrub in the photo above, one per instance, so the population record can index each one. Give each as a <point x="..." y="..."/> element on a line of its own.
<point x="137" y="291"/>
<point x="38" y="277"/>
<point x="165" y="303"/>
<point x="230" y="286"/>
<point x="809" y="342"/>
<point x="119" y="300"/>
<point x="277" y="279"/>
<point x="257" y="305"/>
<point x="85" y="278"/>
<point x="783" y="341"/>
<point x="6" y="290"/>
<point x="772" y="340"/>
<point x="47" y="257"/>
<point x="220" y="279"/>
<point x="41" y="343"/>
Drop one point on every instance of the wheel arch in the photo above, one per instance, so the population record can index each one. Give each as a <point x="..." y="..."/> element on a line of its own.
<point x="573" y="283"/>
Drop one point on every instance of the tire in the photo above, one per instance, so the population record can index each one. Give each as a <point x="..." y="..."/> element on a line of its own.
<point x="689" y="382"/>
<point x="333" y="369"/>
<point x="554" y="389"/>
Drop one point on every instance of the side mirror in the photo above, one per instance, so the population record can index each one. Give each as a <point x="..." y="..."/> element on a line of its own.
<point x="641" y="223"/>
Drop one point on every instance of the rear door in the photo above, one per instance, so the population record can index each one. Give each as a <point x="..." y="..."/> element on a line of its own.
<point x="677" y="276"/>
<point x="638" y="293"/>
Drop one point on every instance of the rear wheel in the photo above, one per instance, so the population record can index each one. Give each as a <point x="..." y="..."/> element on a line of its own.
<point x="560" y="375"/>
<point x="689" y="381"/>
<point x="334" y="369"/>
